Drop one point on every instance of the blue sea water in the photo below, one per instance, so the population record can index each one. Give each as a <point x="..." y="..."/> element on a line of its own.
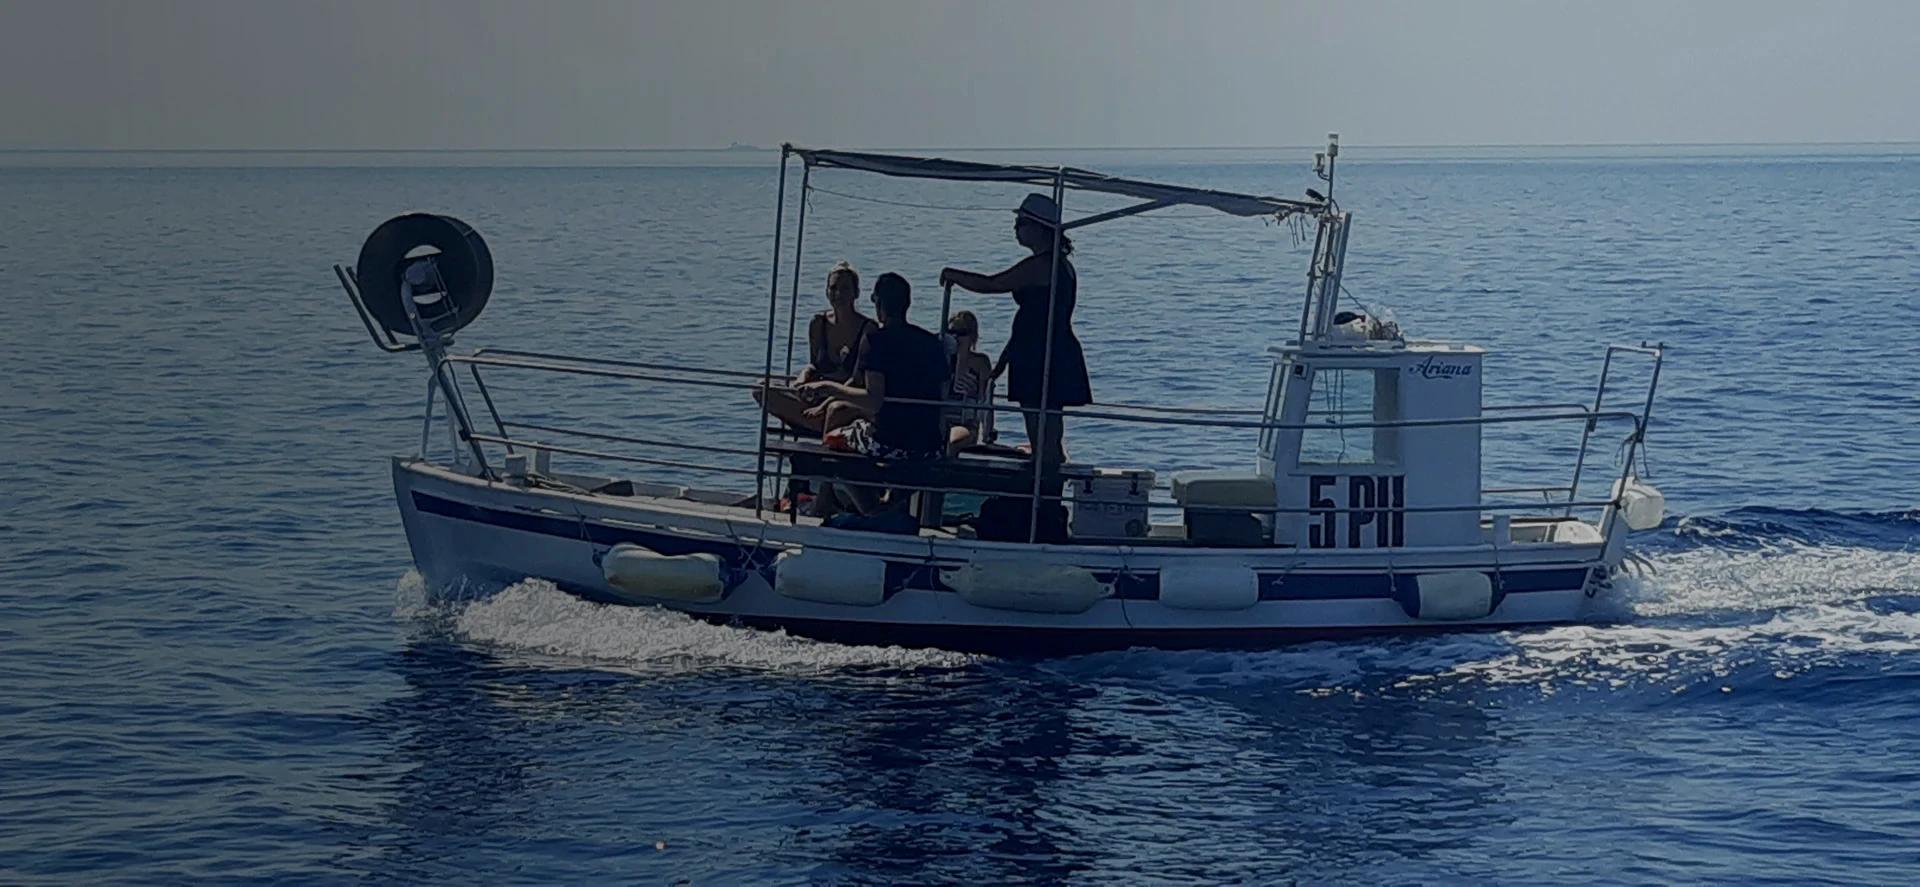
<point x="218" y="664"/>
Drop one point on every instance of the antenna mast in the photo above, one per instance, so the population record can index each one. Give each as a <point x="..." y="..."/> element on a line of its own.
<point x="1323" y="163"/>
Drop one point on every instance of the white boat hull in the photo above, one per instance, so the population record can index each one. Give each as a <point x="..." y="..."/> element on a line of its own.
<point x="496" y="533"/>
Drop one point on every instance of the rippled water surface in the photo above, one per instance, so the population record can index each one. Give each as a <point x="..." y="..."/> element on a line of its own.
<point x="218" y="663"/>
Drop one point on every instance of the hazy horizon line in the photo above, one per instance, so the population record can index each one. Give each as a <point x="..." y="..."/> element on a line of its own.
<point x="742" y="148"/>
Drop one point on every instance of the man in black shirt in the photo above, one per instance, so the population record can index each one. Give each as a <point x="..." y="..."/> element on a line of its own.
<point x="897" y="360"/>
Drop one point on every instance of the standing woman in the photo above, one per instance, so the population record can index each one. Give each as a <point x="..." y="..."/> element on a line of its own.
<point x="1025" y="357"/>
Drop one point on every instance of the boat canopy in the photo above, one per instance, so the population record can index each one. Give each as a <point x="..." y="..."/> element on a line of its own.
<point x="1067" y="177"/>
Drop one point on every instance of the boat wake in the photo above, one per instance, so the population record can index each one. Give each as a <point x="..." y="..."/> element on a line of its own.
<point x="535" y="620"/>
<point x="1756" y="596"/>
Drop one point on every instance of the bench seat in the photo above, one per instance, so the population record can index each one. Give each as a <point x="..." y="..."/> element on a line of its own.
<point x="968" y="472"/>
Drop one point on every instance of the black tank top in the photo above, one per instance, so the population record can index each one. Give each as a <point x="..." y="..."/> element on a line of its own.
<point x="825" y="358"/>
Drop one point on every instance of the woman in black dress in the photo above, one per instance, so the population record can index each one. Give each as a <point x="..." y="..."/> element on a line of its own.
<point x="1025" y="357"/>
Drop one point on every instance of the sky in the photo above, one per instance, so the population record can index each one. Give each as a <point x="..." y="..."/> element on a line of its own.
<point x="569" y="74"/>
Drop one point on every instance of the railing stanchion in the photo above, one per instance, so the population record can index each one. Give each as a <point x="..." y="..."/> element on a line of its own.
<point x="1586" y="433"/>
<point x="1313" y="278"/>
<point x="474" y="369"/>
<point x="1646" y="409"/>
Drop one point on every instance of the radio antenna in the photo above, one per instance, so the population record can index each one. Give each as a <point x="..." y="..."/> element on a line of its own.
<point x="1323" y="163"/>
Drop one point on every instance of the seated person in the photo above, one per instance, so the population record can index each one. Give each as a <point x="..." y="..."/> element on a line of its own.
<point x="833" y="343"/>
<point x="898" y="360"/>
<point x="970" y="382"/>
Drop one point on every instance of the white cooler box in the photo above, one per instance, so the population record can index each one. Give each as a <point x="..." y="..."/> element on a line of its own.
<point x="1108" y="503"/>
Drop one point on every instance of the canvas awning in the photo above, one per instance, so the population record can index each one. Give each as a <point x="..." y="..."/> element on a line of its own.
<point x="1043" y="176"/>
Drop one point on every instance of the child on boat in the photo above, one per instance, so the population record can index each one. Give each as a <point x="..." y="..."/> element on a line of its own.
<point x="970" y="382"/>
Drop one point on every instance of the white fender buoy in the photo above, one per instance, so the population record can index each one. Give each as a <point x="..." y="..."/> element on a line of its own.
<point x="638" y="572"/>
<point x="1027" y="587"/>
<point x="830" y="577"/>
<point x="1643" y="506"/>
<point x="1209" y="587"/>
<point x="1458" y="594"/>
<point x="1575" y="532"/>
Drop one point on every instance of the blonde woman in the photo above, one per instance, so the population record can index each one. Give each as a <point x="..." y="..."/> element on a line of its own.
<point x="833" y="344"/>
<point x="833" y="336"/>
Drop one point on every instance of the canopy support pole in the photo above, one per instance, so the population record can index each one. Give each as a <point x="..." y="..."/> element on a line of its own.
<point x="1047" y="409"/>
<point x="799" y="250"/>
<point x="780" y="466"/>
<point x="946" y="307"/>
<point x="773" y="313"/>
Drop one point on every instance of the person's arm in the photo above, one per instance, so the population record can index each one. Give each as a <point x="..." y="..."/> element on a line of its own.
<point x="865" y="389"/>
<point x="874" y="392"/>
<point x="1000" y="366"/>
<point x="1026" y="272"/>
<point x="866" y="396"/>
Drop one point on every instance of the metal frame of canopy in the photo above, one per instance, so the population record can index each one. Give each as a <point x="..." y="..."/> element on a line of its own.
<point x="1153" y="196"/>
<point x="1156" y="194"/>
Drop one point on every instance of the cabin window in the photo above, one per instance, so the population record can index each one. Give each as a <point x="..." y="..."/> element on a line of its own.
<point x="1342" y="398"/>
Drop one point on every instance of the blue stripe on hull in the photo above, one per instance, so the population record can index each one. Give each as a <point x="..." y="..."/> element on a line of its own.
<point x="1401" y="585"/>
<point x="1028" y="642"/>
<point x="582" y="530"/>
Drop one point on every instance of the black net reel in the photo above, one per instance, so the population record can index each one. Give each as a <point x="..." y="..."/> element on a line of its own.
<point x="447" y="261"/>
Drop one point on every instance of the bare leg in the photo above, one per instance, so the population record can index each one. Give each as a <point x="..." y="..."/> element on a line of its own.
<point x="960" y="437"/>
<point x="841" y="413"/>
<point x="787" y="406"/>
<point x="1051" y="451"/>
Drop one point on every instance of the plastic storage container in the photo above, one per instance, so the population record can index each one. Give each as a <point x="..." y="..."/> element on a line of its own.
<point x="1108" y="503"/>
<point x="1227" y="508"/>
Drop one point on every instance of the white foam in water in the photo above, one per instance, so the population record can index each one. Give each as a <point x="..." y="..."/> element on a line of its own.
<point x="1788" y="609"/>
<point x="410" y="597"/>
<point x="1707" y="579"/>
<point x="535" y="617"/>
<point x="1792" y="607"/>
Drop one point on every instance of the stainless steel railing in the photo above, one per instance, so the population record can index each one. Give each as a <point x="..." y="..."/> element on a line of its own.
<point x="706" y="377"/>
